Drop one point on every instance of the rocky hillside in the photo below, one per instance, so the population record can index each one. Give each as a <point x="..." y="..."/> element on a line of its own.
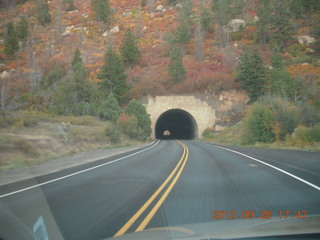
<point x="209" y="57"/>
<point x="184" y="47"/>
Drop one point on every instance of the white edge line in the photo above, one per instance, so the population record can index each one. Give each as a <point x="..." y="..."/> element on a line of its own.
<point x="76" y="173"/>
<point x="285" y="172"/>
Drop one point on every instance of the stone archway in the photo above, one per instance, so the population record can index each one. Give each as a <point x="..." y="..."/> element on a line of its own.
<point x="176" y="124"/>
<point x="202" y="114"/>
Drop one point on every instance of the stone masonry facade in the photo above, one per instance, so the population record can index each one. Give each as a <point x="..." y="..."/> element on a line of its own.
<point x="203" y="114"/>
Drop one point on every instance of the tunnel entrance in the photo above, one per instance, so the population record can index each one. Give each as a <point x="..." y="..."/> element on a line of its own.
<point x="176" y="124"/>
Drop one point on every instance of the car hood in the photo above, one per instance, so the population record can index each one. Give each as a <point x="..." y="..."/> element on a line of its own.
<point x="230" y="229"/>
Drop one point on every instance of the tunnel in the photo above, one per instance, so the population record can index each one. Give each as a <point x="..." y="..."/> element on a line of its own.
<point x="176" y="124"/>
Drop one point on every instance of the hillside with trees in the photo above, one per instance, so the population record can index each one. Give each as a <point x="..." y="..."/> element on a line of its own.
<point x="97" y="57"/>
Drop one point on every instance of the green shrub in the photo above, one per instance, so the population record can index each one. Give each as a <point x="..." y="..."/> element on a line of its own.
<point x="302" y="135"/>
<point x="136" y="109"/>
<point x="236" y="36"/>
<point x="113" y="134"/>
<point x="286" y="115"/>
<point x="20" y="119"/>
<point x="296" y="49"/>
<point x="109" y="108"/>
<point x="314" y="133"/>
<point x="259" y="122"/>
<point x="128" y="126"/>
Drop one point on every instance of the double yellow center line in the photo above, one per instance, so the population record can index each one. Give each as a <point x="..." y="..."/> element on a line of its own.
<point x="175" y="174"/>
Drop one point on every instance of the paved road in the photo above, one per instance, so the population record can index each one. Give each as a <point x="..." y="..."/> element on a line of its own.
<point x="171" y="183"/>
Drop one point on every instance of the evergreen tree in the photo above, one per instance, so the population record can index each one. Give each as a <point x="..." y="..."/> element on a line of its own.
<point x="222" y="15"/>
<point x="304" y="8"/>
<point x="176" y="67"/>
<point x="277" y="60"/>
<point x="109" y="108"/>
<point x="23" y="29"/>
<point x="53" y="77"/>
<point x="251" y="73"/>
<point x="80" y="82"/>
<point x="136" y="109"/>
<point x="75" y="93"/>
<point x="113" y="76"/>
<point x="76" y="59"/>
<point x="102" y="10"/>
<point x="280" y="80"/>
<point x="143" y="3"/>
<point x="43" y="14"/>
<point x="171" y="2"/>
<point x="187" y="9"/>
<point x="206" y="18"/>
<point x="282" y="29"/>
<point x="264" y="11"/>
<point x="182" y="34"/>
<point x="224" y="11"/>
<point x="130" y="53"/>
<point x="258" y="124"/>
<point x="11" y="43"/>
<point x="69" y="5"/>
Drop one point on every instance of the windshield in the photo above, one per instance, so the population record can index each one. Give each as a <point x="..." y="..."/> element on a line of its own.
<point x="166" y="119"/>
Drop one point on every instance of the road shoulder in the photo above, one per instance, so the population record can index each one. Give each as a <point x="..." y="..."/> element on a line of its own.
<point x="23" y="173"/>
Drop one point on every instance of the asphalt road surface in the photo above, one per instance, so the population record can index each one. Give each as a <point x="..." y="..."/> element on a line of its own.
<point x="170" y="183"/>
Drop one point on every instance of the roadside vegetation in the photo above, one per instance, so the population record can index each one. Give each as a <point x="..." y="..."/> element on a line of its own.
<point x="83" y="66"/>
<point x="272" y="122"/>
<point x="32" y="137"/>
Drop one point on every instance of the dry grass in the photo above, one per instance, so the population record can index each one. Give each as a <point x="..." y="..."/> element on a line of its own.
<point x="33" y="137"/>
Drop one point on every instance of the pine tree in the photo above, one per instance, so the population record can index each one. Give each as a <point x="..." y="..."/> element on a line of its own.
<point x="222" y="15"/>
<point x="43" y="14"/>
<point x="76" y="59"/>
<point x="102" y="10"/>
<point x="176" y="67"/>
<point x="224" y="11"/>
<point x="187" y="8"/>
<point x="171" y="2"/>
<point x="251" y="73"/>
<point x="143" y="3"/>
<point x="109" y="108"/>
<point x="113" y="76"/>
<point x="69" y="5"/>
<point x="80" y="80"/>
<point x="280" y="80"/>
<point x="11" y="43"/>
<point x="182" y="34"/>
<point x="282" y="29"/>
<point x="277" y="59"/>
<point x="264" y="11"/>
<point x="75" y="93"/>
<point x="206" y="18"/>
<point x="130" y="53"/>
<point x="23" y="29"/>
<point x="136" y="109"/>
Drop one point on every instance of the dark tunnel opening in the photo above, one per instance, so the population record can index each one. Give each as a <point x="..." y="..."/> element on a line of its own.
<point x="176" y="124"/>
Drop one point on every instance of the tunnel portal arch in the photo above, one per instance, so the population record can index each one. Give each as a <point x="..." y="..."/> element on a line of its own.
<point x="176" y="124"/>
<point x="202" y="113"/>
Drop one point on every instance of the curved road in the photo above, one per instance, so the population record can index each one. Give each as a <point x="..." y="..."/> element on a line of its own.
<point x="171" y="183"/>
